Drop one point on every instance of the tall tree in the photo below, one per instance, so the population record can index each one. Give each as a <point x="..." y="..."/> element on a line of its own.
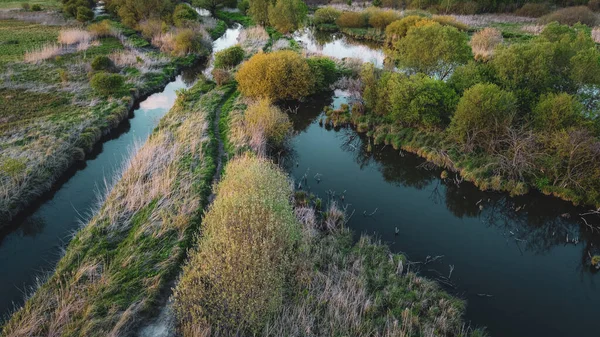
<point x="287" y="15"/>
<point x="259" y="11"/>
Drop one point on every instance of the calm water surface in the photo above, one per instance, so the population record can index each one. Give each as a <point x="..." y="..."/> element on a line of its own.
<point x="521" y="263"/>
<point x="32" y="244"/>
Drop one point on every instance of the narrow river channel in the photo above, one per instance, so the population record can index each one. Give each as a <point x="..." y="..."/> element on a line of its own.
<point x="32" y="244"/>
<point x="519" y="262"/>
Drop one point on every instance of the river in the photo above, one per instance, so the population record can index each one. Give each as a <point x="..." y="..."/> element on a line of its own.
<point x="32" y="244"/>
<point x="519" y="262"/>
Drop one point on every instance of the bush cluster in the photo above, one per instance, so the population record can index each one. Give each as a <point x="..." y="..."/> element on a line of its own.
<point x="326" y="15"/>
<point x="107" y="84"/>
<point x="229" y="57"/>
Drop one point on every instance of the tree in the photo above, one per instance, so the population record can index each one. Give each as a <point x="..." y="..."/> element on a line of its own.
<point x="483" y="116"/>
<point x="287" y="15"/>
<point x="433" y="49"/>
<point x="556" y="112"/>
<point x="209" y="5"/>
<point x="277" y="75"/>
<point x="84" y="14"/>
<point x="183" y="15"/>
<point x="132" y="12"/>
<point x="259" y="11"/>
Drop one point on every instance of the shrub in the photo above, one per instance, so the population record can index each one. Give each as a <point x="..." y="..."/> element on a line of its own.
<point x="103" y="63"/>
<point x="25" y="6"/>
<point x="263" y="119"/>
<point x="287" y="15"/>
<point x="433" y="49"/>
<point x="352" y="20"/>
<point x="84" y="14"/>
<point x="221" y="76"/>
<point x="572" y="15"/>
<point x="152" y="27"/>
<point x="107" y="84"/>
<point x="533" y="10"/>
<point x="229" y="57"/>
<point x="398" y="29"/>
<point x="484" y="42"/>
<point x="36" y="8"/>
<point x="324" y="71"/>
<point x="243" y="6"/>
<point x="277" y="75"/>
<point x="101" y="29"/>
<point x="235" y="280"/>
<point x="183" y="15"/>
<point x="470" y="74"/>
<point x="556" y="112"/>
<point x="594" y="5"/>
<point x="382" y="18"/>
<point x="327" y="15"/>
<point x="446" y="20"/>
<point x="482" y="116"/>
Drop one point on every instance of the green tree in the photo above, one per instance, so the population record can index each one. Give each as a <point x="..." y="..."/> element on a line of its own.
<point x="84" y="14"/>
<point x="287" y="15"/>
<point x="183" y="15"/>
<point x="259" y="11"/>
<point x="483" y="115"/>
<point x="556" y="112"/>
<point x="433" y="49"/>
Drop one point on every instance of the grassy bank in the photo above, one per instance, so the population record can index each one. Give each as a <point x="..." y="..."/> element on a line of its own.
<point x="51" y="114"/>
<point x="267" y="266"/>
<point x="119" y="265"/>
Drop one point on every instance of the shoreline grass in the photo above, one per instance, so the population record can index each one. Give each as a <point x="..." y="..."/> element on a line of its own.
<point x="117" y="267"/>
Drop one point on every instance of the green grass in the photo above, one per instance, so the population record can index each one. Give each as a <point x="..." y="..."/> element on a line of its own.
<point x="17" y="37"/>
<point x="46" y="4"/>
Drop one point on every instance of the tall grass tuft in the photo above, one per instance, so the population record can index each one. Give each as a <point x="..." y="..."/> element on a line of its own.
<point x="484" y="42"/>
<point x="235" y="279"/>
<point x="43" y="53"/>
<point x="74" y="36"/>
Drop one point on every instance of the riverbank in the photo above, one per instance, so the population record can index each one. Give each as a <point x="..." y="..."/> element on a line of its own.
<point x="118" y="267"/>
<point x="61" y="117"/>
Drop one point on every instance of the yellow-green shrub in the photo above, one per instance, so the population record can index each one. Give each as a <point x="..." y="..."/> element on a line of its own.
<point x="447" y="20"/>
<point x="235" y="279"/>
<point x="398" y="29"/>
<point x="264" y="118"/>
<point x="277" y="75"/>
<point x="352" y="20"/>
<point x="326" y="15"/>
<point x="382" y="18"/>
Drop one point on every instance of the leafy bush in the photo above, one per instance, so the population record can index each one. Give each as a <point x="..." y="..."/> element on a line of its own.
<point x="483" y="115"/>
<point x="287" y="15"/>
<point x="107" y="84"/>
<point x="235" y="280"/>
<point x="382" y="18"/>
<point x="221" y="76"/>
<point x="262" y="119"/>
<point x="184" y="15"/>
<point x="229" y="57"/>
<point x="103" y="63"/>
<point x="470" y="74"/>
<point x="324" y="71"/>
<point x="84" y="14"/>
<point x="533" y="10"/>
<point x="101" y="29"/>
<point x="433" y="49"/>
<point x="36" y="8"/>
<point x="572" y="15"/>
<point x="326" y="15"/>
<point x="398" y="29"/>
<point x="71" y="6"/>
<point x="352" y="20"/>
<point x="277" y="75"/>
<point x="484" y="42"/>
<point x="556" y="112"/>
<point x="25" y="6"/>
<point x="243" y="6"/>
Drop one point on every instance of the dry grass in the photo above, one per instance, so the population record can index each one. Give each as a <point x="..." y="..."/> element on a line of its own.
<point x="253" y="39"/>
<point x="74" y="36"/>
<point x="44" y="53"/>
<point x="596" y="34"/>
<point x="235" y="280"/>
<point x="120" y="262"/>
<point x="484" y="42"/>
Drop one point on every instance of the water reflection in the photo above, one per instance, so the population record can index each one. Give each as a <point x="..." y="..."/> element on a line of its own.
<point x="530" y="254"/>
<point x="339" y="46"/>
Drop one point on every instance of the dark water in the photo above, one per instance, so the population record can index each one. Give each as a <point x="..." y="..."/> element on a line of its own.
<point x="511" y="259"/>
<point x="32" y="244"/>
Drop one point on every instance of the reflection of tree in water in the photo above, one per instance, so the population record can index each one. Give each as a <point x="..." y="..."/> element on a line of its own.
<point x="190" y="75"/>
<point x="303" y="114"/>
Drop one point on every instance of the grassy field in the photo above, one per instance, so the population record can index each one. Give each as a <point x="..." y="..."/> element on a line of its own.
<point x="115" y="269"/>
<point x="50" y="115"/>
<point x="9" y="4"/>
